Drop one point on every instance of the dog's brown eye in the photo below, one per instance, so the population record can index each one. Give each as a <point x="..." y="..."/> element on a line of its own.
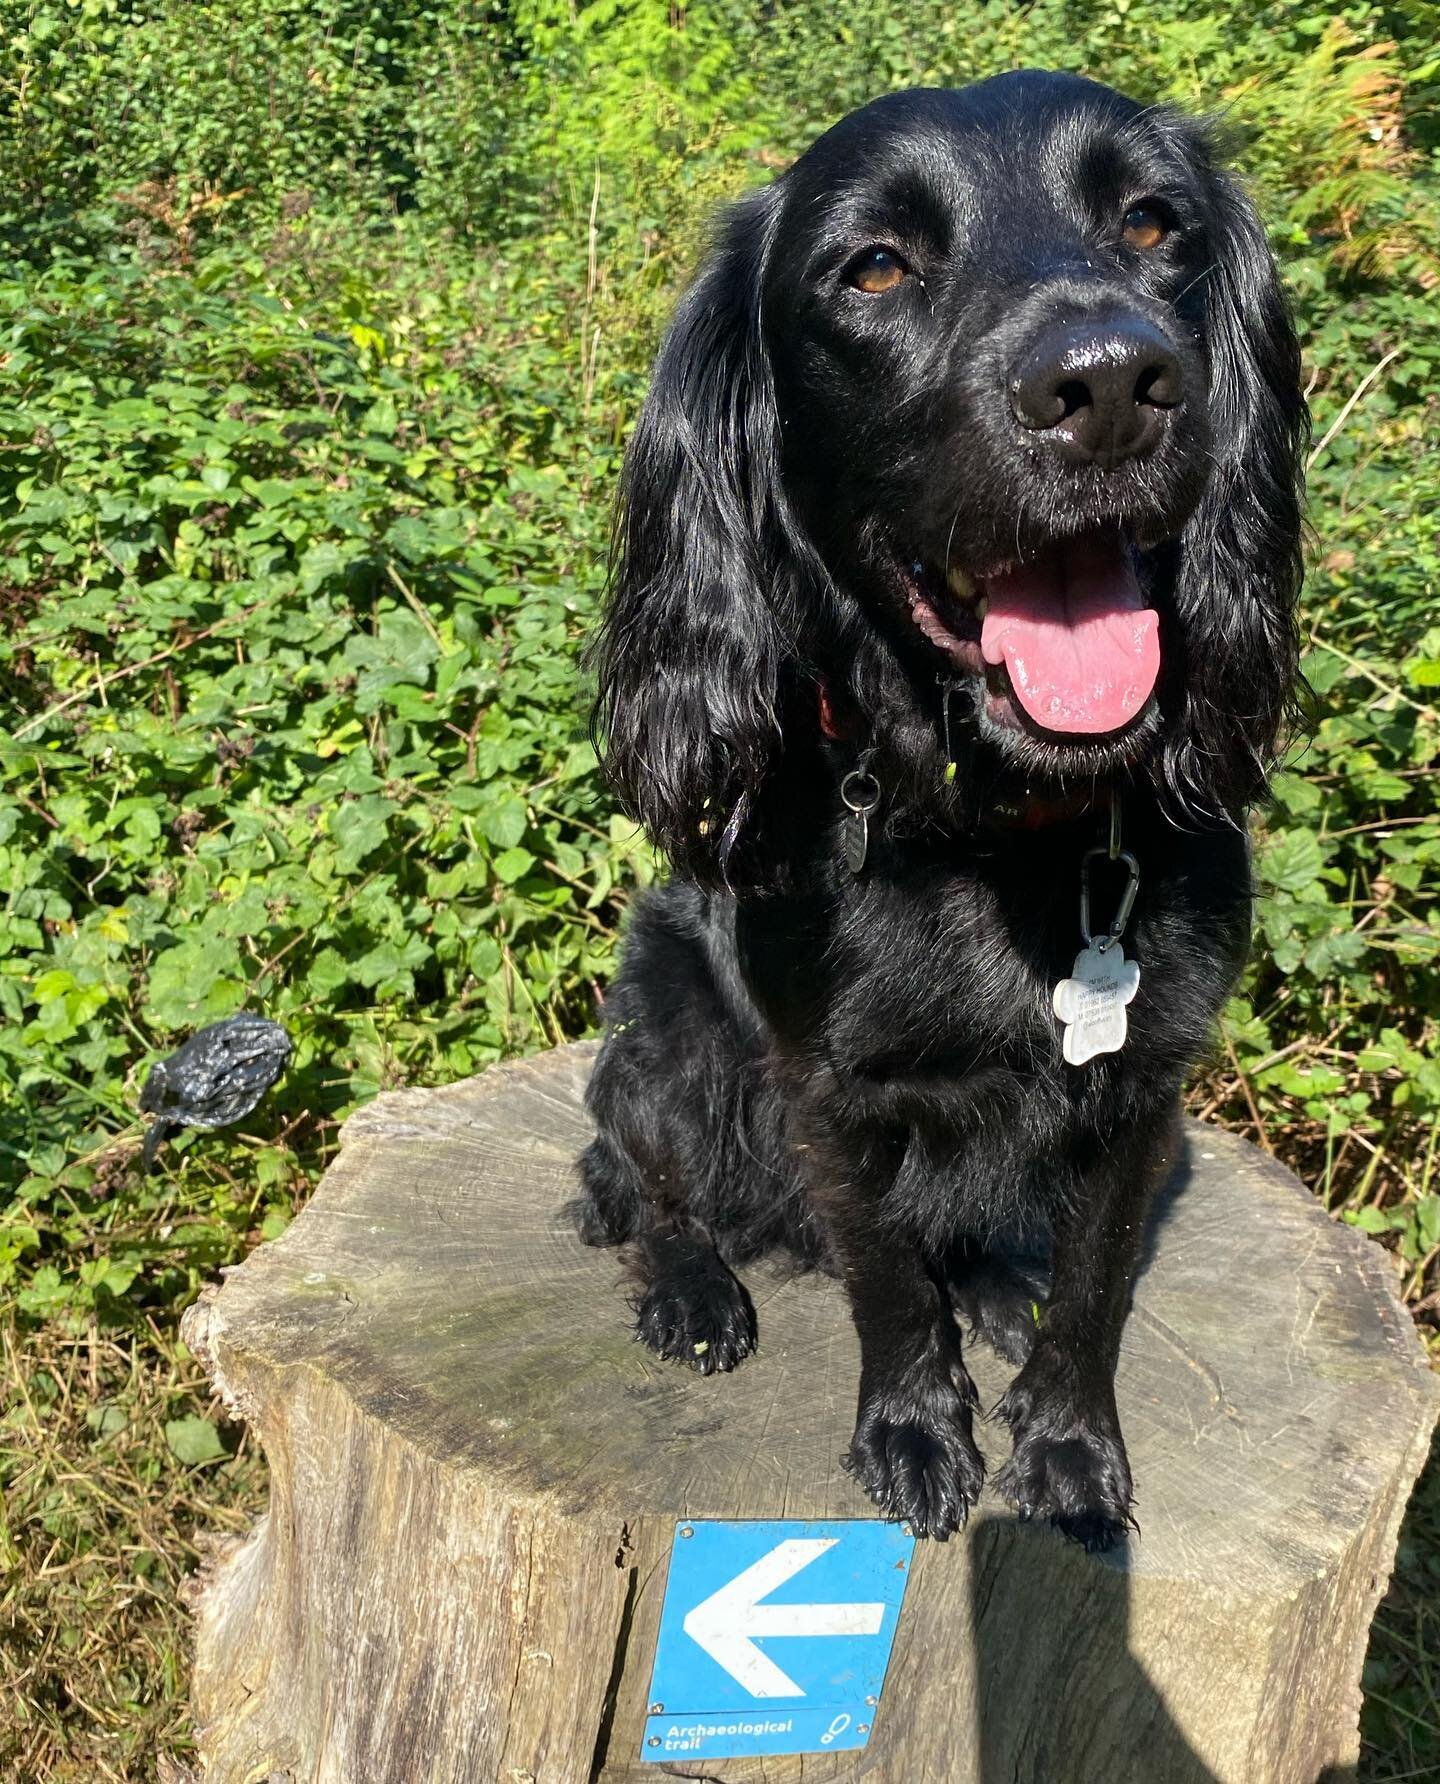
<point x="1144" y="227"/>
<point x="877" y="270"/>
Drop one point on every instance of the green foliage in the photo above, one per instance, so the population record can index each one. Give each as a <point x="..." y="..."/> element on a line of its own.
<point x="269" y="108"/>
<point x="304" y="519"/>
<point x="299" y="594"/>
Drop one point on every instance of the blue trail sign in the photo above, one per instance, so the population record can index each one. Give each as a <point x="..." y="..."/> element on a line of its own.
<point x="774" y="1637"/>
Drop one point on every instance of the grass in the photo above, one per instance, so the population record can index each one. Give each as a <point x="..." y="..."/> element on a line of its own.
<point x="1400" y="1724"/>
<point x="102" y="1526"/>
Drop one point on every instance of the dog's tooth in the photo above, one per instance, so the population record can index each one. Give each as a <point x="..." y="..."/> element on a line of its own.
<point x="982" y="606"/>
<point x="960" y="584"/>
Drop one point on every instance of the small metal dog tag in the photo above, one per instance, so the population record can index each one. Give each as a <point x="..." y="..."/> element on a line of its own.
<point x="857" y="841"/>
<point x="860" y="794"/>
<point x="1091" y="1002"/>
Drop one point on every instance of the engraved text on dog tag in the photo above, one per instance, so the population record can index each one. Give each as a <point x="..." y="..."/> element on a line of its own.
<point x="1091" y="1002"/>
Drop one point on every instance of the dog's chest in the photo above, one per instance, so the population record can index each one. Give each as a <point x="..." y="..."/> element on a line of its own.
<point x="937" y="969"/>
<point x="934" y="973"/>
<point x="950" y="973"/>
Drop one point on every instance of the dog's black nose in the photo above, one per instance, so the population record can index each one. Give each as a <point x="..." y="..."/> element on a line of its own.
<point x="1097" y="390"/>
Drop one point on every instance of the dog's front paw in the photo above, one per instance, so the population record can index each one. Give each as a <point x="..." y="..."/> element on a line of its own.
<point x="705" y="1319"/>
<point x="1068" y="1464"/>
<point x="914" y="1453"/>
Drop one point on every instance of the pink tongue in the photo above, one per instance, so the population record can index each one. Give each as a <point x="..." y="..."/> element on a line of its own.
<point x="1081" y="651"/>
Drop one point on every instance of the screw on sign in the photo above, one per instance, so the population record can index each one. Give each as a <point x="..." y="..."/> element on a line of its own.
<point x="774" y="1637"/>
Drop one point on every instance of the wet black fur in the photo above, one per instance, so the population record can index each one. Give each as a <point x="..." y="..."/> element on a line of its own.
<point x="864" y="1070"/>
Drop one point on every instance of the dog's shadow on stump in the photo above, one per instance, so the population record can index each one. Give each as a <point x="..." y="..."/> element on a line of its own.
<point x="1077" y="1630"/>
<point x="1077" y="1634"/>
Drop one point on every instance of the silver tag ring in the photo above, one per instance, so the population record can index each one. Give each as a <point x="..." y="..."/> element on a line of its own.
<point x="860" y="791"/>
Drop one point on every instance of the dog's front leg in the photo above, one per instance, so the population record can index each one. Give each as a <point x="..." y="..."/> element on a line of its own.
<point x="914" y="1448"/>
<point x="1069" y="1462"/>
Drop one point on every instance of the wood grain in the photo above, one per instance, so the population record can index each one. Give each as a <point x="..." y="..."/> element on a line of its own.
<point x="476" y="1473"/>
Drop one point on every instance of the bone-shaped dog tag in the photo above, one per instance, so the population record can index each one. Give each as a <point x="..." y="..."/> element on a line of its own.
<point x="1091" y="1002"/>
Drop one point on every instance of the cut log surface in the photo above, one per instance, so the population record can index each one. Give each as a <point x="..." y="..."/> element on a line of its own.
<point x="476" y="1476"/>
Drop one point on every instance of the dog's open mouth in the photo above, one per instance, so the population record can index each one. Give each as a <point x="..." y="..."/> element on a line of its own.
<point x="1066" y="634"/>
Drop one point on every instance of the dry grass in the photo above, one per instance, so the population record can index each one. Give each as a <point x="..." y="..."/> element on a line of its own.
<point x="1400" y="1726"/>
<point x="100" y="1527"/>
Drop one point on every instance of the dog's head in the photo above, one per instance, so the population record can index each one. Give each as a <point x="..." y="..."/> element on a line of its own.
<point x="993" y="388"/>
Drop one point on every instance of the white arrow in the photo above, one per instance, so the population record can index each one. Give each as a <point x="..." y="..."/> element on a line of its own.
<point x="725" y="1622"/>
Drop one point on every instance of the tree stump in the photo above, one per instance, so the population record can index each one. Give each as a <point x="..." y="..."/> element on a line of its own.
<point x="476" y="1477"/>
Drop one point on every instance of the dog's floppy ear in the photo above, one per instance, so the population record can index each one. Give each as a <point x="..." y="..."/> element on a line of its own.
<point x="689" y="657"/>
<point x="1240" y="569"/>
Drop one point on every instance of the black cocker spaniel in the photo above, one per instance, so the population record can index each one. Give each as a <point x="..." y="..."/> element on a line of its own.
<point x="956" y="575"/>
